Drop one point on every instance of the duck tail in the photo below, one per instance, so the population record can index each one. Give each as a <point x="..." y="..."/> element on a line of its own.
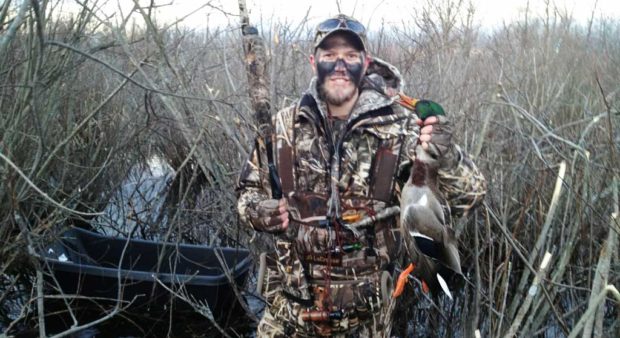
<point x="444" y="286"/>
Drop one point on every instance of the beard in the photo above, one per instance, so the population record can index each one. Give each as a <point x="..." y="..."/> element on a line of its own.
<point x="337" y="96"/>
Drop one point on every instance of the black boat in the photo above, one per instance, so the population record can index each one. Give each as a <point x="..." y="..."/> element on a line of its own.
<point x="89" y="264"/>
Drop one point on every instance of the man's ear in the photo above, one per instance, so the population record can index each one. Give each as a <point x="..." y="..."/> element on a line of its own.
<point x="313" y="63"/>
<point x="367" y="61"/>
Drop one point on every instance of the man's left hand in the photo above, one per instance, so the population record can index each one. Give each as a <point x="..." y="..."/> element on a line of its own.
<point x="436" y="135"/>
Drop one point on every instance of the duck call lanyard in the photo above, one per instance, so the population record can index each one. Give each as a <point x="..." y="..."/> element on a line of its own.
<point x="336" y="128"/>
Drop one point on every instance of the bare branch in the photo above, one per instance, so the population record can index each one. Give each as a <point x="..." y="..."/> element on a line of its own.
<point x="38" y="190"/>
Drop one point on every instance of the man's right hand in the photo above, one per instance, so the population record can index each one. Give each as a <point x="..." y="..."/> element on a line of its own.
<point x="270" y="216"/>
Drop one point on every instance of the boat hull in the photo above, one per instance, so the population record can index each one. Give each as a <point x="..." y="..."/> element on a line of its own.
<point x="96" y="273"/>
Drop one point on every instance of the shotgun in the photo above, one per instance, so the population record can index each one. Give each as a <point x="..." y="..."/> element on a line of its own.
<point x="258" y="87"/>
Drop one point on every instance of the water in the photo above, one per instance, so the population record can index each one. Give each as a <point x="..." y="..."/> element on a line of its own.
<point x="139" y="201"/>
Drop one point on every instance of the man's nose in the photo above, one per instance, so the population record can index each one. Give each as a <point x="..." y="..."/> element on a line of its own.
<point x="340" y="65"/>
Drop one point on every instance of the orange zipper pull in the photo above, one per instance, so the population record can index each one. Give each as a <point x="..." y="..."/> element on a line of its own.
<point x="352" y="218"/>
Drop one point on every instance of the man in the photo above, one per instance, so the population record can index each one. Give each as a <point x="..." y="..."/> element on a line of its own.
<point x="343" y="154"/>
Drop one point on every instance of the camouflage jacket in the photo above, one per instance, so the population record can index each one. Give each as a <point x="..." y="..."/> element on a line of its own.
<point x="367" y="159"/>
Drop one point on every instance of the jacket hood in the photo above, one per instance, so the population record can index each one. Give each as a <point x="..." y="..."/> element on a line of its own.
<point x="380" y="87"/>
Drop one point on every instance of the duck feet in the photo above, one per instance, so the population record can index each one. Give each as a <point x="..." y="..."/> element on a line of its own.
<point x="402" y="280"/>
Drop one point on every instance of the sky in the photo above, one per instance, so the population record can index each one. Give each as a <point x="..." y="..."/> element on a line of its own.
<point x="373" y="13"/>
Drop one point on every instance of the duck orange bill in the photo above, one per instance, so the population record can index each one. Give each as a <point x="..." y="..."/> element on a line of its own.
<point x="402" y="280"/>
<point x="407" y="101"/>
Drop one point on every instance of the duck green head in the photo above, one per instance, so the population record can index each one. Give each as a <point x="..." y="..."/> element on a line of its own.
<point x="427" y="108"/>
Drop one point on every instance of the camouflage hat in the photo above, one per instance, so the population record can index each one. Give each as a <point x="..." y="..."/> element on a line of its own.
<point x="341" y="23"/>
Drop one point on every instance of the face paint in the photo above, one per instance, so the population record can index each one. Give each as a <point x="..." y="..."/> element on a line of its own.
<point x="353" y="70"/>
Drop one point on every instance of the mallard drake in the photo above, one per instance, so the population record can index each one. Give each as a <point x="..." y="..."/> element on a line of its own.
<point x="430" y="241"/>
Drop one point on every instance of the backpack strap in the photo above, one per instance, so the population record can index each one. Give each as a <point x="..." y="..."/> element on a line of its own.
<point x="384" y="166"/>
<point x="286" y="155"/>
<point x="382" y="173"/>
<point x="285" y="168"/>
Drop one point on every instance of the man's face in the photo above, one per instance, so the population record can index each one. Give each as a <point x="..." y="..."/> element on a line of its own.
<point x="339" y="68"/>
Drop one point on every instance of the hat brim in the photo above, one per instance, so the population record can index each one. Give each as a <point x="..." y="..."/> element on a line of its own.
<point x="353" y="37"/>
